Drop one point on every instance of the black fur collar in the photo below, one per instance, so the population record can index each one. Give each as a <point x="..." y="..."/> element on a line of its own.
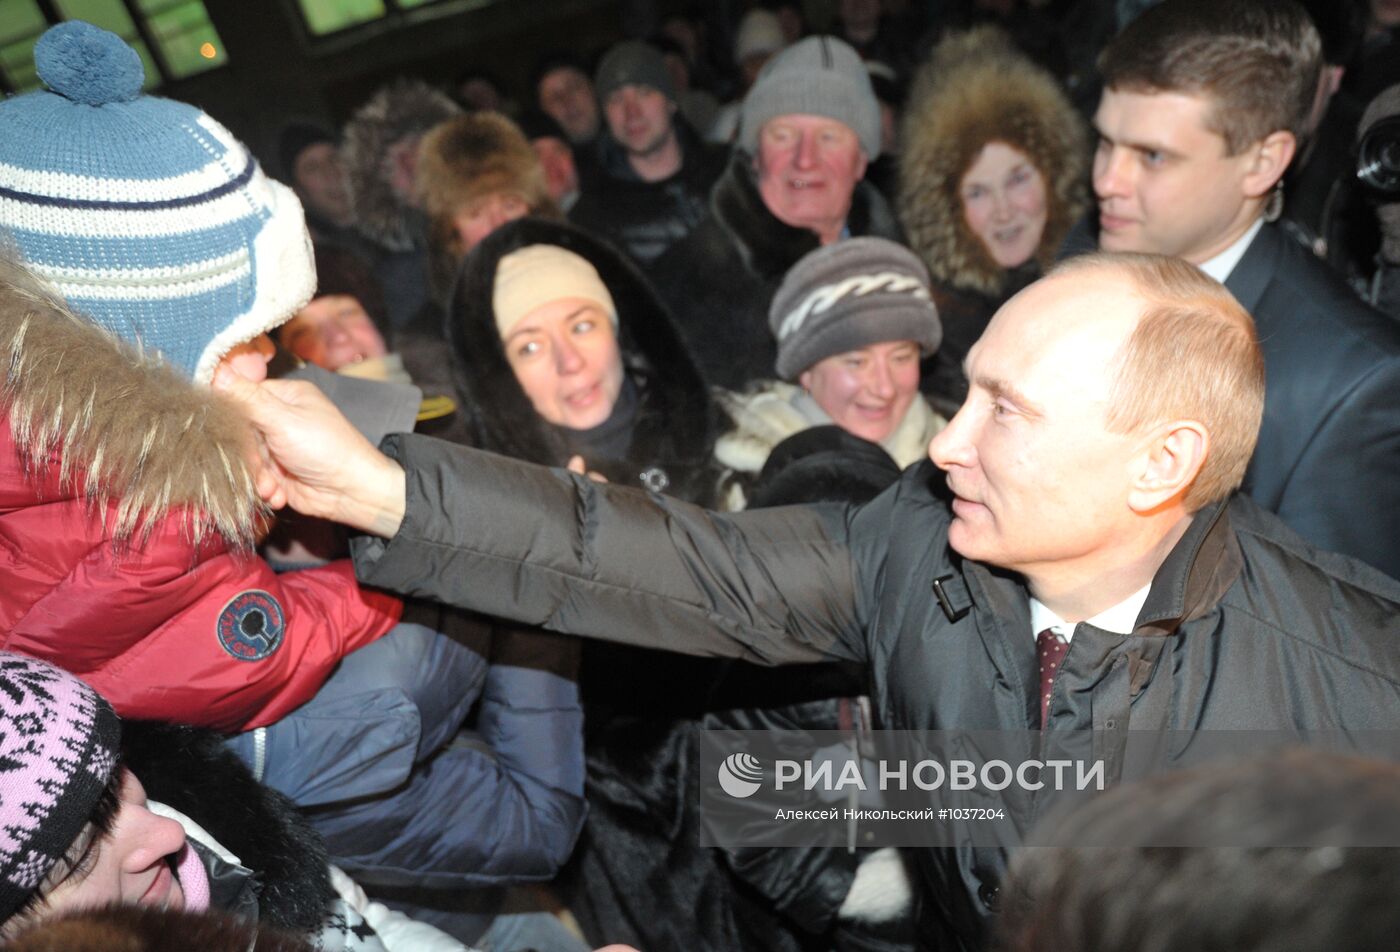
<point x="769" y="247"/>
<point x="190" y="769"/>
<point x="675" y="428"/>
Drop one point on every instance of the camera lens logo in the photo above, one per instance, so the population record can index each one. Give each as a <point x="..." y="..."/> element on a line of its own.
<point x="740" y="775"/>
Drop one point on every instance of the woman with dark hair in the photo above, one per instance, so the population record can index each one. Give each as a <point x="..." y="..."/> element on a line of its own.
<point x="565" y="355"/>
<point x="993" y="176"/>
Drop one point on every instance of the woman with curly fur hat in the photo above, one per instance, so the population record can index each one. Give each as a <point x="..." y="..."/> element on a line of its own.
<point x="993" y="177"/>
<point x="474" y="174"/>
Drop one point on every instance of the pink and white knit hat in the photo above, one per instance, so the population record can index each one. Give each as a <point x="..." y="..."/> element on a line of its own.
<point x="59" y="741"/>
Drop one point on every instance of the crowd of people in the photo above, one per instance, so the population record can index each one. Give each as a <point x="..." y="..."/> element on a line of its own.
<point x="399" y="525"/>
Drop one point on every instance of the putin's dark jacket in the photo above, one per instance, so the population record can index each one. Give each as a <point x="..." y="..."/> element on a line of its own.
<point x="1246" y="626"/>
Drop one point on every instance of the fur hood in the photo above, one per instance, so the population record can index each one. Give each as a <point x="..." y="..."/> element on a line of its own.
<point x="89" y="414"/>
<point x="674" y="429"/>
<point x="151" y="929"/>
<point x="977" y="88"/>
<point x="190" y="769"/>
<point x="403" y="109"/>
<point x="462" y="160"/>
<point x="769" y="247"/>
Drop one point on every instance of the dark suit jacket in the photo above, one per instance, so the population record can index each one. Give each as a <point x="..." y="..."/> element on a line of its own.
<point x="1328" y="460"/>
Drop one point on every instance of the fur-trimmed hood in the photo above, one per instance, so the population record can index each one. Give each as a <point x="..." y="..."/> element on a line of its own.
<point x="977" y="88"/>
<point x="769" y="247"/>
<point x="190" y="769"/>
<point x="675" y="423"/>
<point x="89" y="414"/>
<point x="403" y="109"/>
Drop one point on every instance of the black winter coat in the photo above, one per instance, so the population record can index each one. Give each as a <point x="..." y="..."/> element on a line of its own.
<point x="1246" y="627"/>
<point x="644" y="219"/>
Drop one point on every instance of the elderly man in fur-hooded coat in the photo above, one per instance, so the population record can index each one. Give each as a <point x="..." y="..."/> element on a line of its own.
<point x="809" y="127"/>
<point x="978" y="90"/>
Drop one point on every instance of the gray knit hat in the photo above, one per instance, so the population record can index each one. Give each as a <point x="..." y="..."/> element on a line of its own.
<point x="819" y="76"/>
<point x="632" y="63"/>
<point x="849" y="295"/>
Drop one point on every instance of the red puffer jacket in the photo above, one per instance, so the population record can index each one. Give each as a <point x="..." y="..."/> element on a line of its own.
<point x="132" y="569"/>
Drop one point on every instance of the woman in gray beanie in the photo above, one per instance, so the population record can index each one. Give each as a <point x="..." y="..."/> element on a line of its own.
<point x="852" y="321"/>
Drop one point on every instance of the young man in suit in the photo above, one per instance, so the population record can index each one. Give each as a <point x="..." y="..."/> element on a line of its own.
<point x="1202" y="110"/>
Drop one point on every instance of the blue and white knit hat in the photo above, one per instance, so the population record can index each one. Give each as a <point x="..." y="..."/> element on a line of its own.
<point x="148" y="216"/>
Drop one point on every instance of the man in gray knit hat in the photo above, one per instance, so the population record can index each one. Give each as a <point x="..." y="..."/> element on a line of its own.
<point x="810" y="126"/>
<point x="653" y="172"/>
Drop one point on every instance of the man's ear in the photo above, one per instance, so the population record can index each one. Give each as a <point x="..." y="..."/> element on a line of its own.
<point x="1171" y="457"/>
<point x="1270" y="160"/>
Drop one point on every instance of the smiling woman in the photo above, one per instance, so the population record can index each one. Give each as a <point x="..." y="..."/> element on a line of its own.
<point x="80" y="835"/>
<point x="851" y="321"/>
<point x="991" y="181"/>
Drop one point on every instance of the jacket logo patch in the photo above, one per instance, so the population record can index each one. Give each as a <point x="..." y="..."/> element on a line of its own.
<point x="251" y="625"/>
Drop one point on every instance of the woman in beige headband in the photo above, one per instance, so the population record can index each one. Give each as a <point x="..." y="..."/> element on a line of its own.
<point x="562" y="349"/>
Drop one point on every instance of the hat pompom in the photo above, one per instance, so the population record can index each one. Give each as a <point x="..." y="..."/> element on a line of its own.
<point x="88" y="64"/>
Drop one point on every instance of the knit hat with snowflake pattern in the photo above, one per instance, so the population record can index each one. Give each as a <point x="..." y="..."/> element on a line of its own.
<point x="58" y="747"/>
<point x="148" y="216"/>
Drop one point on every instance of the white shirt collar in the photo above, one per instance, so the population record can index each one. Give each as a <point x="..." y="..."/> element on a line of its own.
<point x="1222" y="264"/>
<point x="1120" y="618"/>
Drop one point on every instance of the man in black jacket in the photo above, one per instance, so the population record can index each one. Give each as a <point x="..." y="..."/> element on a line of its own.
<point x="1094" y="570"/>
<point x="653" y="172"/>
<point x="1201" y="114"/>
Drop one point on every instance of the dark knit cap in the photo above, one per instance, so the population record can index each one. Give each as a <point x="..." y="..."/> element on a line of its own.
<point x="58" y="747"/>
<point x="297" y="137"/>
<point x="632" y="63"/>
<point x="849" y="295"/>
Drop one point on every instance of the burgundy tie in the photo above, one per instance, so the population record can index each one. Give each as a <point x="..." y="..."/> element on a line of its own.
<point x="1050" y="649"/>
